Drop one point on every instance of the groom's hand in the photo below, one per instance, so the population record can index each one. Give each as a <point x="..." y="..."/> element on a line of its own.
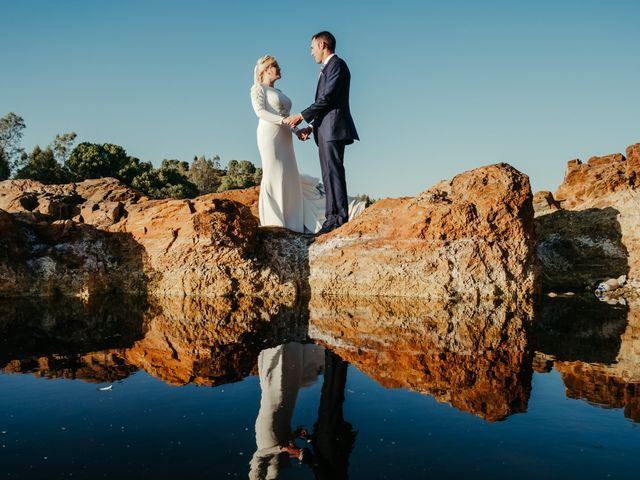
<point x="293" y="120"/>
<point x="305" y="133"/>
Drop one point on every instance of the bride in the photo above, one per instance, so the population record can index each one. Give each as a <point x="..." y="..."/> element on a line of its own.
<point x="287" y="199"/>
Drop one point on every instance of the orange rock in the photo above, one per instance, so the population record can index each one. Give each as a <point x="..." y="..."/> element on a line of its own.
<point x="469" y="237"/>
<point x="246" y="196"/>
<point x="597" y="235"/>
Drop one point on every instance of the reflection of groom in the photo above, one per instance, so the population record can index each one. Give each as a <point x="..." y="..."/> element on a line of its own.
<point x="330" y="119"/>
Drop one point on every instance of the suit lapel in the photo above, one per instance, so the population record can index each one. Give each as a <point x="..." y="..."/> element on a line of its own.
<point x="322" y="74"/>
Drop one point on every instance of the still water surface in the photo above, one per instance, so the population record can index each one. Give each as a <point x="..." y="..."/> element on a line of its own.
<point x="385" y="389"/>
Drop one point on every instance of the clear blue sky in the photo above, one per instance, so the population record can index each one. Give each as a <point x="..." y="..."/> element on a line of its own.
<point x="437" y="87"/>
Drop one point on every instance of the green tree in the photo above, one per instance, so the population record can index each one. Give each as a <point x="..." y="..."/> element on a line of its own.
<point x="92" y="160"/>
<point x="11" y="127"/>
<point x="5" y="169"/>
<point x="177" y="165"/>
<point x="165" y="183"/>
<point x="241" y="174"/>
<point x="61" y="146"/>
<point x="131" y="169"/>
<point x="368" y="201"/>
<point x="206" y="174"/>
<point x="41" y="165"/>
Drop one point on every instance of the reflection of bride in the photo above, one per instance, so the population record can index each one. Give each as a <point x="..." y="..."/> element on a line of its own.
<point x="283" y="371"/>
<point x="287" y="199"/>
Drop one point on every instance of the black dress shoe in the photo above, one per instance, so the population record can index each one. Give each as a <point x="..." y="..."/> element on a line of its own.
<point x="325" y="229"/>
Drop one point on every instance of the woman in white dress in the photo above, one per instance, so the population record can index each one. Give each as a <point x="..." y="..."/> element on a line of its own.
<point x="286" y="198"/>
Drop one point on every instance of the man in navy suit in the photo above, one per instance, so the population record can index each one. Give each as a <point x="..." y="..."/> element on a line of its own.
<point x="330" y="119"/>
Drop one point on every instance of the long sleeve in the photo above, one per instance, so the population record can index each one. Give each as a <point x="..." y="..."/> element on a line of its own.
<point x="259" y="102"/>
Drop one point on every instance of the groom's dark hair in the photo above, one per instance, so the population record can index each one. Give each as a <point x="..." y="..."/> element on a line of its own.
<point x="327" y="38"/>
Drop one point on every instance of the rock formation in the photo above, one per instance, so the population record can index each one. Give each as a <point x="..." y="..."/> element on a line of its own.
<point x="469" y="237"/>
<point x="99" y="236"/>
<point x="596" y="234"/>
<point x="39" y="256"/>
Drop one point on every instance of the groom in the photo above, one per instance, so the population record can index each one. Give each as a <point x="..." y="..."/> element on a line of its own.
<point x="330" y="119"/>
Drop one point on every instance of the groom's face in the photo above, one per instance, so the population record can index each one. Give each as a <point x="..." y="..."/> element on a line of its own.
<point x="316" y="50"/>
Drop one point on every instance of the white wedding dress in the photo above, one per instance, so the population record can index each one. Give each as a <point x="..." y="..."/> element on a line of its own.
<point x="287" y="199"/>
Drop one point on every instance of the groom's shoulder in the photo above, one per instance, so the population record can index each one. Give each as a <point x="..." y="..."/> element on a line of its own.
<point x="337" y="63"/>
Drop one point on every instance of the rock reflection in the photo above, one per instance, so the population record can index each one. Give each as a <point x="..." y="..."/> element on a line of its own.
<point x="596" y="349"/>
<point x="60" y="337"/>
<point x="472" y="356"/>
<point x="178" y="340"/>
<point x="212" y="341"/>
<point x="477" y="357"/>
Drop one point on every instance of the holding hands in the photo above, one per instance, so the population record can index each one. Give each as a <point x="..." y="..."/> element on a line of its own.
<point x="293" y="120"/>
<point x="304" y="133"/>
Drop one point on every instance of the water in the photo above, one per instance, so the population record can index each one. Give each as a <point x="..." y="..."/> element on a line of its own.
<point x="385" y="389"/>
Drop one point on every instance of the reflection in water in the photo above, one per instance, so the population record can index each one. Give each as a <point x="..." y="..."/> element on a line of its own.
<point x="477" y="357"/>
<point x="211" y="341"/>
<point x="471" y="356"/>
<point x="332" y="438"/>
<point x="60" y="337"/>
<point x="596" y="349"/>
<point x="283" y="371"/>
<point x="180" y="341"/>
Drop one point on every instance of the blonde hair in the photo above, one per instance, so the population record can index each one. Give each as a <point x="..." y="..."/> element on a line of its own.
<point x="262" y="64"/>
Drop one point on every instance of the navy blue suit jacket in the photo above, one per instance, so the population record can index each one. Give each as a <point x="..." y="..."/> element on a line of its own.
<point x="330" y="113"/>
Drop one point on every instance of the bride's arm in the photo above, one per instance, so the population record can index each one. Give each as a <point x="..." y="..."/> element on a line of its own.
<point x="259" y="102"/>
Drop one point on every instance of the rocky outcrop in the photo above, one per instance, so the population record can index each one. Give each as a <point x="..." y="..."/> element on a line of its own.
<point x="100" y="202"/>
<point x="469" y="237"/>
<point x="247" y="196"/>
<point x="209" y="247"/>
<point x="43" y="257"/>
<point x="596" y="234"/>
<point x="99" y="236"/>
<point x="544" y="203"/>
<point x="472" y="356"/>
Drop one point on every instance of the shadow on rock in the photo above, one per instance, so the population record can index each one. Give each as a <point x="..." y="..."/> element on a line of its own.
<point x="580" y="248"/>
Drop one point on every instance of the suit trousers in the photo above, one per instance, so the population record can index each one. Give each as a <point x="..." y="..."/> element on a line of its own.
<point x="335" y="184"/>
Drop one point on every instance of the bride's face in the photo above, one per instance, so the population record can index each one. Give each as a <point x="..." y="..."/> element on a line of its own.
<point x="271" y="74"/>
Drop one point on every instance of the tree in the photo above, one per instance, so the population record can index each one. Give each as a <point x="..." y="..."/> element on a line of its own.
<point x="91" y="160"/>
<point x="11" y="127"/>
<point x="177" y="165"/>
<point x="368" y="201"/>
<point x="41" y="165"/>
<point x="131" y="169"/>
<point x="241" y="174"/>
<point x="61" y="146"/>
<point x="165" y="183"/>
<point x="5" y="169"/>
<point x="206" y="174"/>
